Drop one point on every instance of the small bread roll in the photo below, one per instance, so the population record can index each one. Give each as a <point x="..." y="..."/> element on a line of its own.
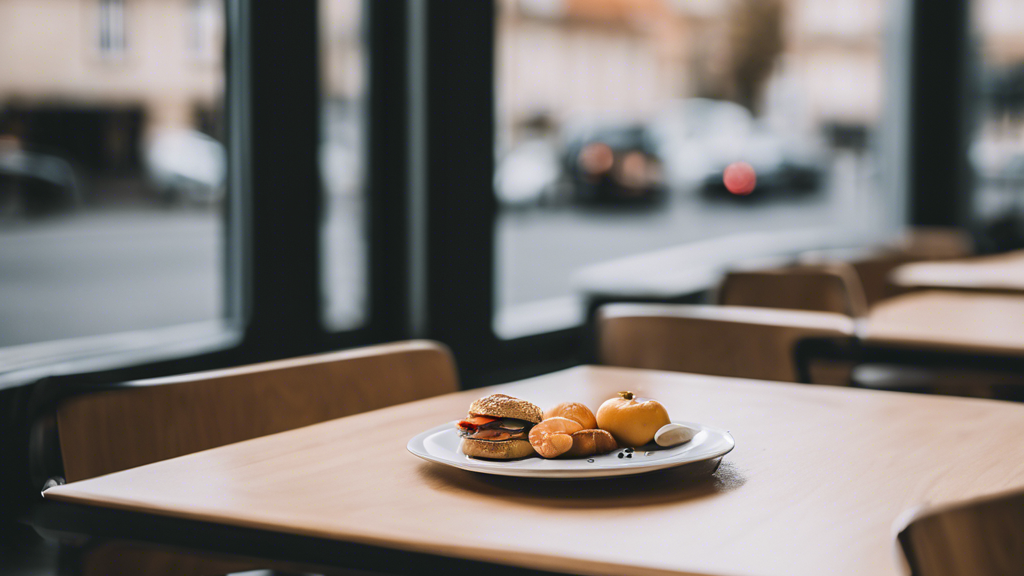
<point x="551" y="438"/>
<point x="574" y="411"/>
<point x="591" y="442"/>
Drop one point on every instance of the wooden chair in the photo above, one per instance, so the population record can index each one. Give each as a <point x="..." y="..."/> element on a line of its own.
<point x="719" y="340"/>
<point x="935" y="243"/>
<point x="146" y="421"/>
<point x="984" y="537"/>
<point x="825" y="288"/>
<point x="871" y="265"/>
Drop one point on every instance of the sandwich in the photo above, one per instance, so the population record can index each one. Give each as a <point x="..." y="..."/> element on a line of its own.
<point x="498" y="428"/>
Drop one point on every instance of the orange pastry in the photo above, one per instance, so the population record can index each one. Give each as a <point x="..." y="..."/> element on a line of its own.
<point x="553" y="437"/>
<point x="574" y="411"/>
<point x="632" y="421"/>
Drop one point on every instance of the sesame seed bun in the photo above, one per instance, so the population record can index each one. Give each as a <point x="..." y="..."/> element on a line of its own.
<point x="504" y="450"/>
<point x="502" y="406"/>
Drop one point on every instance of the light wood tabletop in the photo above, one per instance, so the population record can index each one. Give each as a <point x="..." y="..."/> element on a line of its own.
<point x="1000" y="273"/>
<point x="950" y="321"/>
<point x="816" y="484"/>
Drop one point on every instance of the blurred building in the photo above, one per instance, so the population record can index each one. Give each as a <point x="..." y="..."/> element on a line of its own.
<point x="626" y="58"/>
<point x="341" y="63"/>
<point x="162" y="58"/>
<point x="570" y="58"/>
<point x="1001" y="27"/>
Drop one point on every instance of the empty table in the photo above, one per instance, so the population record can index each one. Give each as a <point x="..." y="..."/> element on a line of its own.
<point x="1002" y="273"/>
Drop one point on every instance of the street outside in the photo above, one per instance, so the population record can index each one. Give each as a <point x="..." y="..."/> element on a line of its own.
<point x="100" y="272"/>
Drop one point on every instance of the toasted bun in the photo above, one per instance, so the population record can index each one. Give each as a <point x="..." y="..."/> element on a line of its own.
<point x="504" y="450"/>
<point x="502" y="406"/>
<point x="591" y="442"/>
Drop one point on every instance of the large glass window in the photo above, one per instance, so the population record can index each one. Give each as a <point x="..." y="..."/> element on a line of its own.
<point x="616" y="120"/>
<point x="997" y="146"/>
<point x="342" y="163"/>
<point x="112" y="166"/>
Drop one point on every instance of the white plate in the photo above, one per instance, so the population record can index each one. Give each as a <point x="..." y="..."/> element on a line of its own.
<point x="441" y="444"/>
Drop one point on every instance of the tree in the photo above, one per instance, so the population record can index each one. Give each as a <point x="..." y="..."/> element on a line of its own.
<point x="755" y="41"/>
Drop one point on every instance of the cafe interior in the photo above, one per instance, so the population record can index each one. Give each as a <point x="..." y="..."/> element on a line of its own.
<point x="604" y="287"/>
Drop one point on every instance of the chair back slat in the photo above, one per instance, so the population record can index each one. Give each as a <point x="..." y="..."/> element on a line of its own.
<point x="152" y="420"/>
<point x="827" y="288"/>
<point x="979" y="538"/>
<point x="719" y="340"/>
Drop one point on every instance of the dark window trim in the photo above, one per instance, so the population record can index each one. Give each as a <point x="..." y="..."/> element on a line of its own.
<point x="283" y="300"/>
<point x="938" y="113"/>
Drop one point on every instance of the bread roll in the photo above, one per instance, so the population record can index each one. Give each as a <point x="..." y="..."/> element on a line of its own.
<point x="551" y="437"/>
<point x="504" y="450"/>
<point x="591" y="442"/>
<point x="574" y="411"/>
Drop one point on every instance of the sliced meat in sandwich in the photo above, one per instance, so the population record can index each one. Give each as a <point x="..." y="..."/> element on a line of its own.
<point x="498" y="428"/>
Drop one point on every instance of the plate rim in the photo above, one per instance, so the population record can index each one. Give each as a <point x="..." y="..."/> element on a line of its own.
<point x="416" y="443"/>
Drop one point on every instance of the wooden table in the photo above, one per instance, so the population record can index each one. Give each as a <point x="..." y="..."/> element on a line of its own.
<point x="1002" y="273"/>
<point x="949" y="321"/>
<point x="816" y="484"/>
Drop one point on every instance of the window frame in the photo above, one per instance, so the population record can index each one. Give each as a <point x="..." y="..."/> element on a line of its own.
<point x="430" y="231"/>
<point x="452" y="59"/>
<point x="111" y="37"/>
<point x="274" y="177"/>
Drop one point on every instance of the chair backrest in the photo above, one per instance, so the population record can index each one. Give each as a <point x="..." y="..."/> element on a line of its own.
<point x="979" y="538"/>
<point x="151" y="420"/>
<point x="825" y="288"/>
<point x="935" y="243"/>
<point x="872" y="266"/>
<point x="720" y="340"/>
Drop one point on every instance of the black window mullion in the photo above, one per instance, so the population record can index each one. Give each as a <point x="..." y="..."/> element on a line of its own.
<point x="283" y="252"/>
<point x="387" y="181"/>
<point x="453" y="207"/>
<point x="236" y="205"/>
<point x="939" y="172"/>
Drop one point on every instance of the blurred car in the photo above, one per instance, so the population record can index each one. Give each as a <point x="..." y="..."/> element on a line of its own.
<point x="697" y="138"/>
<point x="1007" y="174"/>
<point x="341" y="146"/>
<point x="528" y="174"/>
<point x="614" y="164"/>
<point x="35" y="184"/>
<point x="341" y="169"/>
<point x="187" y="165"/>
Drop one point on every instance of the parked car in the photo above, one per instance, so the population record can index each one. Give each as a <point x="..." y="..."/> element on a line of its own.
<point x="36" y="184"/>
<point x="613" y="164"/>
<point x="528" y="174"/>
<point x="186" y="165"/>
<point x="697" y="138"/>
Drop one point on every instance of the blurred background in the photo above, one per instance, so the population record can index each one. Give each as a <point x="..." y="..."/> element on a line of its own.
<point x="113" y="169"/>
<point x="614" y="120"/>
